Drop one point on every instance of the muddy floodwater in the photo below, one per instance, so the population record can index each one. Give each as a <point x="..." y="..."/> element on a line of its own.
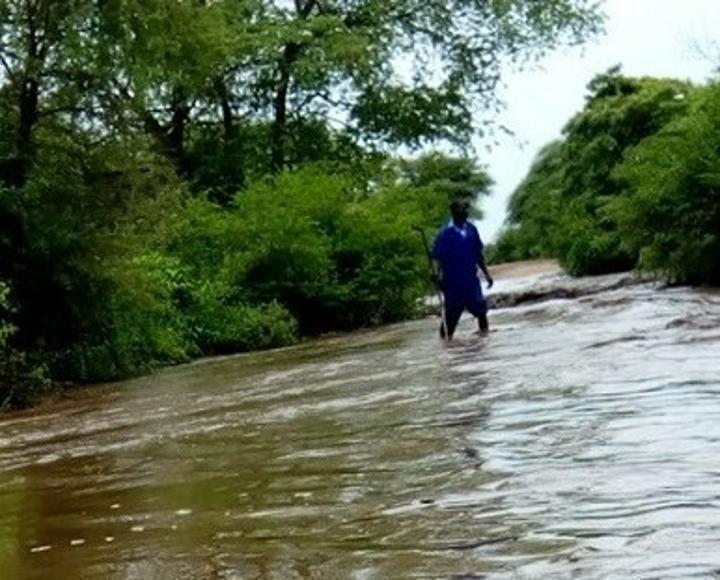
<point x="580" y="440"/>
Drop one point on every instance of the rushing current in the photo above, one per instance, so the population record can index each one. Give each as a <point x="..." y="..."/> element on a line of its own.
<point x="581" y="439"/>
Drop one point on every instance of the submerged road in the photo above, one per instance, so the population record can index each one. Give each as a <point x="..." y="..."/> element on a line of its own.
<point x="580" y="440"/>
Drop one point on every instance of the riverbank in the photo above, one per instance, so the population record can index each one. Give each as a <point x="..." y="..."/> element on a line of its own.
<point x="515" y="283"/>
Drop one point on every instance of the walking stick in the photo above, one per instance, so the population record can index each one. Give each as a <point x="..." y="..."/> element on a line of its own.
<point x="435" y="280"/>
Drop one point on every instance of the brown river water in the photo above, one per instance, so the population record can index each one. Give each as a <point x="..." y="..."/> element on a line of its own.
<point x="580" y="440"/>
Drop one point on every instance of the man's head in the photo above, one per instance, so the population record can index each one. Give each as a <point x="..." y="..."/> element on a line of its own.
<point x="460" y="210"/>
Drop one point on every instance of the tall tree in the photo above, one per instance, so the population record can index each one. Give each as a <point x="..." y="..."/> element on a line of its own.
<point x="43" y="47"/>
<point x="400" y="72"/>
<point x="160" y="62"/>
<point x="561" y="208"/>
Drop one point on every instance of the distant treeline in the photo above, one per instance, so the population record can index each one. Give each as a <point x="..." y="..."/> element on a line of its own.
<point x="184" y="177"/>
<point x="634" y="183"/>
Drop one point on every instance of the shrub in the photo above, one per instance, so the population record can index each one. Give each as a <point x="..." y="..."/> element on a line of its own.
<point x="671" y="213"/>
<point x="222" y="328"/>
<point x="20" y="382"/>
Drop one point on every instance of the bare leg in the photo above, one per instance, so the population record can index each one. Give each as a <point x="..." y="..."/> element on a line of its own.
<point x="451" y="331"/>
<point x="452" y="317"/>
<point x="483" y="325"/>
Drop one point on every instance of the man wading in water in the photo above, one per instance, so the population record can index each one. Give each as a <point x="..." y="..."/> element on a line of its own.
<point x="457" y="254"/>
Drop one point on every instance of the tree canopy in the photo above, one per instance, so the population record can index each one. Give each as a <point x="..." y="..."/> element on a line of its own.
<point x="562" y="208"/>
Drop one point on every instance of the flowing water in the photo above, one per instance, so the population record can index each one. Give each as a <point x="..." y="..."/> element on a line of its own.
<point x="580" y="440"/>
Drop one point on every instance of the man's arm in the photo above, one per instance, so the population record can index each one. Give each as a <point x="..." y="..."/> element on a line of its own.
<point x="483" y="267"/>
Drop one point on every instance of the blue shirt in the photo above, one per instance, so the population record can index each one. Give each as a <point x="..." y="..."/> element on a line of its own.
<point x="459" y="250"/>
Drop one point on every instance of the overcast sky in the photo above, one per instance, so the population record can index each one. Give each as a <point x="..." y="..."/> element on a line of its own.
<point x="646" y="37"/>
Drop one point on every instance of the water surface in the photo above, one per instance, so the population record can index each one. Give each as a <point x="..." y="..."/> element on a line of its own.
<point x="580" y="440"/>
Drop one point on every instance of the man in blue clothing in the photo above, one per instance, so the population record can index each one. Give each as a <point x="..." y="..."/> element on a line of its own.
<point x="457" y="254"/>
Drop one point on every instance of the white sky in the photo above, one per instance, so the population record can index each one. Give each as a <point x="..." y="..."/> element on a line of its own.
<point x="646" y="37"/>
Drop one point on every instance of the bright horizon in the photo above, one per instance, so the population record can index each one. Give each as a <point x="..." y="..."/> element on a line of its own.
<point x="645" y="37"/>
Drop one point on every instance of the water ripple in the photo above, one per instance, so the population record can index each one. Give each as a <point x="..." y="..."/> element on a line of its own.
<point x="579" y="440"/>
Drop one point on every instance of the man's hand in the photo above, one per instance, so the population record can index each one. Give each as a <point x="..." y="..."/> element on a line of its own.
<point x="484" y="269"/>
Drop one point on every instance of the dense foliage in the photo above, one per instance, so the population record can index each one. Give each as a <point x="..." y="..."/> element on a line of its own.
<point x="584" y="198"/>
<point x="670" y="213"/>
<point x="18" y="380"/>
<point x="187" y="177"/>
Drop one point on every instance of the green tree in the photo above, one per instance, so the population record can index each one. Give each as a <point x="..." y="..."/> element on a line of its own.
<point x="534" y="210"/>
<point x="342" y="58"/>
<point x="452" y="177"/>
<point x="561" y="208"/>
<point x="621" y="112"/>
<point x="43" y="52"/>
<point x="670" y="211"/>
<point x="160" y="67"/>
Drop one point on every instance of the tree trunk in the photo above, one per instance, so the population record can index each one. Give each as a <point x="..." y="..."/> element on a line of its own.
<point x="28" y="96"/>
<point x="290" y="55"/>
<point x="15" y="169"/>
<point x="176" y="136"/>
<point x="234" y="169"/>
<point x="171" y="136"/>
<point x="28" y="105"/>
<point x="279" y="128"/>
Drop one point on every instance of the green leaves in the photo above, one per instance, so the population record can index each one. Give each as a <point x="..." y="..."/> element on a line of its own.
<point x="399" y="115"/>
<point x="19" y="380"/>
<point x="634" y="182"/>
<point x="564" y="207"/>
<point x="7" y="329"/>
<point x="670" y="214"/>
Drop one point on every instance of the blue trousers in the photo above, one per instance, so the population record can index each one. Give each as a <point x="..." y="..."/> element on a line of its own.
<point x="459" y="300"/>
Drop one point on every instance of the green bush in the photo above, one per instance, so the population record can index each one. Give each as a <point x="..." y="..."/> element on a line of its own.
<point x="591" y="250"/>
<point x="671" y="212"/>
<point x="139" y="326"/>
<point x="224" y="329"/>
<point x="336" y="253"/>
<point x="562" y="208"/>
<point x="20" y="382"/>
<point x="166" y="277"/>
<point x="513" y="244"/>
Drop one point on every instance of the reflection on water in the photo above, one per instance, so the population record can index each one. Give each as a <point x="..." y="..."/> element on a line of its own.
<point x="579" y="440"/>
